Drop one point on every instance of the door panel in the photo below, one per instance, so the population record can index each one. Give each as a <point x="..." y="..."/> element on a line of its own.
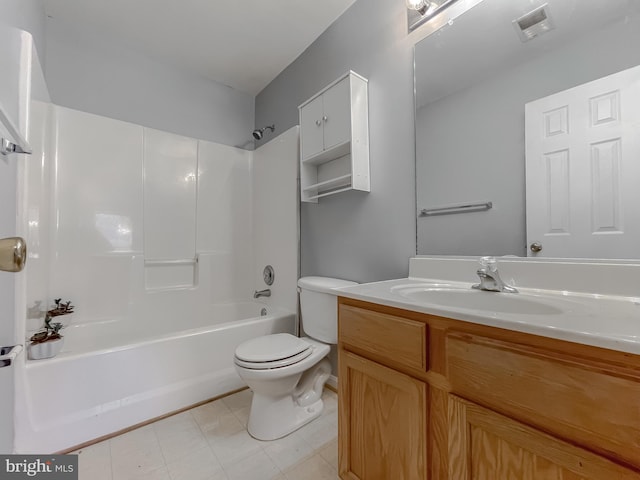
<point x="583" y="168"/>
<point x="382" y="422"/>
<point x="337" y="114"/>
<point x="7" y="294"/>
<point x="486" y="446"/>
<point x="311" y="140"/>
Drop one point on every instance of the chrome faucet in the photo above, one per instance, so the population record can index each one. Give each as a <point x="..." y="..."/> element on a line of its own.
<point x="262" y="293"/>
<point x="490" y="278"/>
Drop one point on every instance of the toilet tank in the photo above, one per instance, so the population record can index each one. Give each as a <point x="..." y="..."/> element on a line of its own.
<point x="319" y="307"/>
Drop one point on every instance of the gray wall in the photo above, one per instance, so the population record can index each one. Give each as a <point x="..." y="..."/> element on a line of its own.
<point x="26" y="15"/>
<point x="471" y="144"/>
<point x="354" y="235"/>
<point x="89" y="71"/>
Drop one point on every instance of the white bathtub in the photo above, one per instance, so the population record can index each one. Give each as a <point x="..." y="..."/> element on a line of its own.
<point x="108" y="378"/>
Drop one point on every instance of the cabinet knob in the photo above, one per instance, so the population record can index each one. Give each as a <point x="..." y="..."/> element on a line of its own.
<point x="318" y="122"/>
<point x="325" y="118"/>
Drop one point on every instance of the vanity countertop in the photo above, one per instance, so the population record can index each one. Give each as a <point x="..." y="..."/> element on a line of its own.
<point x="607" y="321"/>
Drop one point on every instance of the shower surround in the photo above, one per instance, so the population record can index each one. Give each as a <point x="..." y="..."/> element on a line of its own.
<point x="159" y="240"/>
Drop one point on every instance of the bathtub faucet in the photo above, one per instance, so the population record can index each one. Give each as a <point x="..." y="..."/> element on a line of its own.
<point x="262" y="293"/>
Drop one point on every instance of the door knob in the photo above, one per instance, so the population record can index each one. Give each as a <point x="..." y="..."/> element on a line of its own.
<point x="535" y="247"/>
<point x="13" y="254"/>
<point x="318" y="122"/>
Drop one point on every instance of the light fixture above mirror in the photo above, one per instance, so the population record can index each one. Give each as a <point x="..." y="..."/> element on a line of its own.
<point x="421" y="12"/>
<point x="423" y="7"/>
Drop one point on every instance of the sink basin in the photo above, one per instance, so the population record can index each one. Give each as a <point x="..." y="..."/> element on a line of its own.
<point x="468" y="299"/>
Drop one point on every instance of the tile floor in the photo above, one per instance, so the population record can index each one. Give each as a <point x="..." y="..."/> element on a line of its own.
<point x="210" y="442"/>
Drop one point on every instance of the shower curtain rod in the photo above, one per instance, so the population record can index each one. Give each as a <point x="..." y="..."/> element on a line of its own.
<point x="7" y="146"/>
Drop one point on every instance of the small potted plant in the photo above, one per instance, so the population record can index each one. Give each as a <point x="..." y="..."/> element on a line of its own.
<point x="61" y="309"/>
<point x="47" y="342"/>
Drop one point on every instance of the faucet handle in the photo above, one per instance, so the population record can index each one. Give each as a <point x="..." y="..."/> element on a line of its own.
<point x="489" y="262"/>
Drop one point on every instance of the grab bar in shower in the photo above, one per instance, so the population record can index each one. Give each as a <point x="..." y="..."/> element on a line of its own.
<point x="181" y="261"/>
<point x="456" y="208"/>
<point x="7" y="146"/>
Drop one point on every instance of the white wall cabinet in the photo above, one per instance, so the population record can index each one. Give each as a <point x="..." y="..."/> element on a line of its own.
<point x="334" y="139"/>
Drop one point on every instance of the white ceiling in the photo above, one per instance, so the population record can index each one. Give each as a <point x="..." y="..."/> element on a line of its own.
<point x="240" y="43"/>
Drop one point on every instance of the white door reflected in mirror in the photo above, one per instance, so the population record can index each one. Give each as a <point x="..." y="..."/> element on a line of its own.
<point x="583" y="168"/>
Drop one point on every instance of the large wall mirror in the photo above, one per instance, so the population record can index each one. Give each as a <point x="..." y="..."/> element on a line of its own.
<point x="485" y="95"/>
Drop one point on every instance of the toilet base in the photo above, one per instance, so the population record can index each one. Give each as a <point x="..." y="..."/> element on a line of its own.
<point x="275" y="413"/>
<point x="271" y="419"/>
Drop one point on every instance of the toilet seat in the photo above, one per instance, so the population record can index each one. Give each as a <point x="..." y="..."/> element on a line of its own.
<point x="272" y="351"/>
<point x="284" y="362"/>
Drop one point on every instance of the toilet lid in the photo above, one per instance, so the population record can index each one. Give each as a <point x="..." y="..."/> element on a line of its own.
<point x="284" y="362"/>
<point x="271" y="348"/>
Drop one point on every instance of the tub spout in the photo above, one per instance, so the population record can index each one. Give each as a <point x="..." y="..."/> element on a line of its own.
<point x="262" y="293"/>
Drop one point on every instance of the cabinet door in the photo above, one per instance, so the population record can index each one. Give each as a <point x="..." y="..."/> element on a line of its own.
<point x="337" y="114"/>
<point x="484" y="445"/>
<point x="382" y="422"/>
<point x="311" y="126"/>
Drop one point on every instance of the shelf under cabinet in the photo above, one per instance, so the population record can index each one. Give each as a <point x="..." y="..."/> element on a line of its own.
<point x="330" y="192"/>
<point x="341" y="181"/>
<point x="331" y="153"/>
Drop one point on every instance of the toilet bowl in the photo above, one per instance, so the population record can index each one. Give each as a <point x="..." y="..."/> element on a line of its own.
<point x="283" y="400"/>
<point x="287" y="373"/>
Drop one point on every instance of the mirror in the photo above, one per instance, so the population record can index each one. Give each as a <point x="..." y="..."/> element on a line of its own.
<point x="473" y="78"/>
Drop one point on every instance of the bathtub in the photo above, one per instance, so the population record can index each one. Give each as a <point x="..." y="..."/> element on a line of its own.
<point x="108" y="378"/>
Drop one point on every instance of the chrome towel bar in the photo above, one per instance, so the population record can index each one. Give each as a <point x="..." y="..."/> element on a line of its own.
<point x="456" y="208"/>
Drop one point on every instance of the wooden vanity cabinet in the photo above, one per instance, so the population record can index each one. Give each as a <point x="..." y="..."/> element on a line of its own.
<point x="382" y="411"/>
<point x="425" y="397"/>
<point x="385" y="411"/>
<point x="484" y="445"/>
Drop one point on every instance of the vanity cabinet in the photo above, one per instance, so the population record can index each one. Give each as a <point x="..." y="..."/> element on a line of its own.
<point x="438" y="398"/>
<point x="486" y="445"/>
<point x="385" y="413"/>
<point x="334" y="139"/>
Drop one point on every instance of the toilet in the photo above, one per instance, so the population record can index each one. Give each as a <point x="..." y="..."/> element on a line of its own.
<point x="286" y="373"/>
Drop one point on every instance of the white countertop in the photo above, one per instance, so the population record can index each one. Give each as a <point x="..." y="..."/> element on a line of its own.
<point x="606" y="321"/>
